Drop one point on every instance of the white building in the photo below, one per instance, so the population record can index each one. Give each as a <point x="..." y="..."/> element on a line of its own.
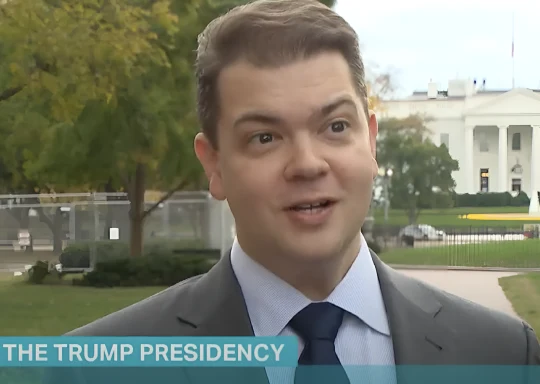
<point x="495" y="135"/>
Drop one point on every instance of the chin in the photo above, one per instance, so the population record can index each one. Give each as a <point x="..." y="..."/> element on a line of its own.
<point x="313" y="251"/>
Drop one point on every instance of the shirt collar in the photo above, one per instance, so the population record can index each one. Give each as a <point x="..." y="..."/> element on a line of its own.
<point x="358" y="293"/>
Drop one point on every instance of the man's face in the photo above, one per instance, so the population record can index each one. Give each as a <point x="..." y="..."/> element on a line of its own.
<point x="296" y="157"/>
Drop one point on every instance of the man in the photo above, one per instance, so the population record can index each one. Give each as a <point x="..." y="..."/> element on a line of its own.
<point x="288" y="140"/>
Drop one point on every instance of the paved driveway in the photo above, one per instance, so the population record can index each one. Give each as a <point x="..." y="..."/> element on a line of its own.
<point x="481" y="287"/>
<point x="9" y="268"/>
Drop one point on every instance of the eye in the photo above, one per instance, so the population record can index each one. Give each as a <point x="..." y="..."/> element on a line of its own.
<point x="338" y="126"/>
<point x="263" y="138"/>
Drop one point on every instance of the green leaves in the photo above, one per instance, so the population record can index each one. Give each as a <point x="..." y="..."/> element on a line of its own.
<point x="94" y="92"/>
<point x="422" y="171"/>
<point x="84" y="50"/>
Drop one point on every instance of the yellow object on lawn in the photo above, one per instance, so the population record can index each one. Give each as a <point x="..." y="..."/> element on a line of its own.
<point x="501" y="216"/>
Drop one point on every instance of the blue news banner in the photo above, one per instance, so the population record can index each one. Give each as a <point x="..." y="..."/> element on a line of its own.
<point x="134" y="360"/>
<point x="72" y="352"/>
<point x="223" y="360"/>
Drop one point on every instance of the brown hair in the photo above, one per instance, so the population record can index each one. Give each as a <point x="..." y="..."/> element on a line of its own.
<point x="270" y="33"/>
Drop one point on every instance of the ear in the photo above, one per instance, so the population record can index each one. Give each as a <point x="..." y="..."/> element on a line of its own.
<point x="373" y="126"/>
<point x="209" y="158"/>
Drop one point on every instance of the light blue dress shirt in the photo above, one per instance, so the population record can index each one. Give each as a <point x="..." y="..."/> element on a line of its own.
<point x="364" y="337"/>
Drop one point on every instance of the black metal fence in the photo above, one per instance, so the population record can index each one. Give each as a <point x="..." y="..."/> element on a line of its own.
<point x="505" y="247"/>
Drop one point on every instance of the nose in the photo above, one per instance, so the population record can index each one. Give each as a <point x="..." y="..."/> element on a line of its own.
<point x="306" y="161"/>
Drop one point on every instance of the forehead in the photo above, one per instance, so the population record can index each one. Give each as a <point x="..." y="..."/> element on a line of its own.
<point x="289" y="90"/>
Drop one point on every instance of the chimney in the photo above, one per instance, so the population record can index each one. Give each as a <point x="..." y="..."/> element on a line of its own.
<point x="433" y="90"/>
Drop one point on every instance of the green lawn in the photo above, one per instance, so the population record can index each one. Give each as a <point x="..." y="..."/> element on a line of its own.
<point x="509" y="254"/>
<point x="523" y="291"/>
<point x="450" y="217"/>
<point x="50" y="310"/>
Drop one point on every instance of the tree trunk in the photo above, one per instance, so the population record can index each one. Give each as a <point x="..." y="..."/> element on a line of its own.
<point x="55" y="225"/>
<point x="22" y="215"/>
<point x="10" y="92"/>
<point x="412" y="216"/>
<point x="58" y="231"/>
<point x="24" y="223"/>
<point x="136" y="212"/>
<point x="109" y="216"/>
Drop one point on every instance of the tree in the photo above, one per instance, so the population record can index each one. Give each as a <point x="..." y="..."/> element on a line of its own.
<point x="422" y="171"/>
<point x="114" y="95"/>
<point x="54" y="75"/>
<point x="378" y="87"/>
<point x="21" y="128"/>
<point x="85" y="84"/>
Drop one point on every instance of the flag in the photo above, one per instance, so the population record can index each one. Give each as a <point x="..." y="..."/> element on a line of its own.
<point x="513" y="29"/>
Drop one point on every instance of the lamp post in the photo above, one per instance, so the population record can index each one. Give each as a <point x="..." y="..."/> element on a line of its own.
<point x="386" y="174"/>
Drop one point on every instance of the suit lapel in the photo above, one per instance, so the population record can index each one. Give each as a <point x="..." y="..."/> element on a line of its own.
<point x="418" y="338"/>
<point x="216" y="304"/>
<point x="216" y="307"/>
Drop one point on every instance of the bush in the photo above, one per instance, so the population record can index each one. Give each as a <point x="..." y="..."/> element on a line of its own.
<point x="521" y="200"/>
<point x="163" y="263"/>
<point x="374" y="246"/>
<point x="42" y="270"/>
<point x="157" y="270"/>
<point x="38" y="272"/>
<point x="493" y="199"/>
<point x="77" y="256"/>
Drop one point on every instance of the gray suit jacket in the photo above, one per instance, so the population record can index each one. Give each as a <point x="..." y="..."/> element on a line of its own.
<point x="428" y="326"/>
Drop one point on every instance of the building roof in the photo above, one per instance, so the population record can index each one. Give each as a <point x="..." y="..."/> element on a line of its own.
<point x="443" y="95"/>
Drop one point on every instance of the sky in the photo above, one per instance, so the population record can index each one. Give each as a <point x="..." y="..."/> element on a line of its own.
<point x="440" y="40"/>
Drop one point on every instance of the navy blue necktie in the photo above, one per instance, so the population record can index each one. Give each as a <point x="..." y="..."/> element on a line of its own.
<point x="318" y="325"/>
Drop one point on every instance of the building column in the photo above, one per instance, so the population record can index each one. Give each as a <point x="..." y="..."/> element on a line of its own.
<point x="535" y="159"/>
<point x="470" y="172"/>
<point x="503" y="158"/>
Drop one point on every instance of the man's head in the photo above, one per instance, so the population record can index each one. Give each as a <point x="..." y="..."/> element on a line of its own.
<point x="287" y="137"/>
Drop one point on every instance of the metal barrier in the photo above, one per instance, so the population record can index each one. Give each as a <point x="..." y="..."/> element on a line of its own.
<point x="54" y="221"/>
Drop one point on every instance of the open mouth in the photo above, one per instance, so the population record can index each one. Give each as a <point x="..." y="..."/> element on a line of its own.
<point x="310" y="207"/>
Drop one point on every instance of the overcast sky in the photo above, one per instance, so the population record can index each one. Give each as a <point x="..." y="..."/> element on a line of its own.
<point x="419" y="40"/>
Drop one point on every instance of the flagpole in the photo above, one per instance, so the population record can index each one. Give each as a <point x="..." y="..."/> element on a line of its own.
<point x="513" y="61"/>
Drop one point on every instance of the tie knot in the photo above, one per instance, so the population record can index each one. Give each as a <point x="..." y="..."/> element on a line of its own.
<point x="318" y="321"/>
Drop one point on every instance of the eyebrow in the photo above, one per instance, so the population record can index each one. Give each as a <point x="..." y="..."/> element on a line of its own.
<point x="270" y="119"/>
<point x="331" y="106"/>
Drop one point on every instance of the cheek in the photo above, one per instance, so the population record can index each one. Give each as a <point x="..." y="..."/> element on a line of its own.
<point x="358" y="168"/>
<point x="248" y="183"/>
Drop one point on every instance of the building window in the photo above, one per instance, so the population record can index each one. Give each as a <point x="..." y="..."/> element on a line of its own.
<point x="445" y="139"/>
<point x="516" y="185"/>
<point x="516" y="141"/>
<point x="484" y="180"/>
<point x="483" y="142"/>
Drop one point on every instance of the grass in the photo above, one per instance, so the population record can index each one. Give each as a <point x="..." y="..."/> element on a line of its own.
<point x="54" y="309"/>
<point x="450" y="217"/>
<point x="523" y="291"/>
<point x="51" y="310"/>
<point x="509" y="254"/>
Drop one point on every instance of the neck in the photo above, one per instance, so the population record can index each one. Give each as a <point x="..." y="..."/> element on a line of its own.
<point x="315" y="279"/>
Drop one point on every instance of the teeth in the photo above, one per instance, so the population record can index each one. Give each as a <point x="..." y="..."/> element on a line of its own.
<point x="309" y="206"/>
